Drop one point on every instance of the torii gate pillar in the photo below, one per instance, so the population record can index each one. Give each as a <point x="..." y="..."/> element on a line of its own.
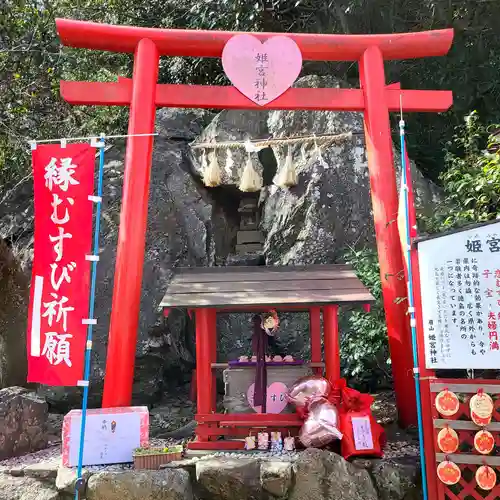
<point x="120" y="360"/>
<point x="143" y="95"/>
<point x="385" y="203"/>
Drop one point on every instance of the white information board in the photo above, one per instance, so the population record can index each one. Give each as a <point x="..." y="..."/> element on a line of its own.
<point x="111" y="435"/>
<point x="460" y="285"/>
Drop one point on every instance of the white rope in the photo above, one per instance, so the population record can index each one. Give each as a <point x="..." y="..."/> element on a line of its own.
<point x="102" y="136"/>
<point x="259" y="144"/>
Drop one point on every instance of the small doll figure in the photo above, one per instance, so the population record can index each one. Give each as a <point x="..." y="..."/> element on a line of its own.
<point x="250" y="443"/>
<point x="276" y="442"/>
<point x="289" y="444"/>
<point x="263" y="440"/>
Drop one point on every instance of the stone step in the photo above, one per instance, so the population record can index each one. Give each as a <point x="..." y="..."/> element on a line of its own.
<point x="249" y="248"/>
<point x="249" y="237"/>
<point x="249" y="224"/>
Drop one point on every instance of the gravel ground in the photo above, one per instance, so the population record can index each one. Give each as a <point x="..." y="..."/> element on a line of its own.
<point x="54" y="454"/>
<point x="399" y="443"/>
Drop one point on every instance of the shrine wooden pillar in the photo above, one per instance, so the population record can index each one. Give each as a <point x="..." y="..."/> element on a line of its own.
<point x="332" y="342"/>
<point x="384" y="197"/>
<point x="315" y="333"/>
<point x="122" y="343"/>
<point x="212" y="338"/>
<point x="204" y="355"/>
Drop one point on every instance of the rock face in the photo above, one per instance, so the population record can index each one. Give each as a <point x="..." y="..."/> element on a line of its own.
<point x="330" y="208"/>
<point x="397" y="478"/>
<point x="313" y="222"/>
<point x="13" y="319"/>
<point x="229" y="479"/>
<point x="310" y="475"/>
<point x="326" y="476"/>
<point x="25" y="488"/>
<point x="23" y="422"/>
<point x="139" y="485"/>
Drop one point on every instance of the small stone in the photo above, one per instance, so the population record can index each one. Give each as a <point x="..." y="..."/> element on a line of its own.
<point x="43" y="470"/>
<point x="276" y="478"/>
<point x="16" y="471"/>
<point x="397" y="478"/>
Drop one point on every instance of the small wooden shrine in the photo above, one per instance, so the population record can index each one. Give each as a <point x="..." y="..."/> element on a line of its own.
<point x="318" y="289"/>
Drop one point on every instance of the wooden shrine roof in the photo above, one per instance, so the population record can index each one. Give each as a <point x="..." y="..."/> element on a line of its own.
<point x="220" y="287"/>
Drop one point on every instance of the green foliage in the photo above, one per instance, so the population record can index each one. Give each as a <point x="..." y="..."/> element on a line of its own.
<point x="471" y="185"/>
<point x="364" y="340"/>
<point x="142" y="452"/>
<point x="32" y="61"/>
<point x="31" y="65"/>
<point x="472" y="179"/>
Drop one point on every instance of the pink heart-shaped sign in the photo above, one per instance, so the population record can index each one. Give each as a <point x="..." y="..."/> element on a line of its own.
<point x="276" y="398"/>
<point x="261" y="71"/>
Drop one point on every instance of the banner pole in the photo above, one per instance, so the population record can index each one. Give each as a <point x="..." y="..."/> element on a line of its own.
<point x="411" y="305"/>
<point x="80" y="483"/>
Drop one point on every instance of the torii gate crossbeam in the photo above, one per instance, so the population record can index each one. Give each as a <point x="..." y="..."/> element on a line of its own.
<point x="143" y="94"/>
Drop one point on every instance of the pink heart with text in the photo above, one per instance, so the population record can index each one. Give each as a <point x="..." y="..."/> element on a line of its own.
<point x="276" y="398"/>
<point x="261" y="71"/>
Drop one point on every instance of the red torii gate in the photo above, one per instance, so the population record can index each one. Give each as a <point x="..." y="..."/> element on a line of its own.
<point x="143" y="94"/>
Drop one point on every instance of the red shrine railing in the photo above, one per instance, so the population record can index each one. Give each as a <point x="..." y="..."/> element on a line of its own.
<point x="143" y="94"/>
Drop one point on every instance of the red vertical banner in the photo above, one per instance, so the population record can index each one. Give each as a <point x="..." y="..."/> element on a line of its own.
<point x="60" y="284"/>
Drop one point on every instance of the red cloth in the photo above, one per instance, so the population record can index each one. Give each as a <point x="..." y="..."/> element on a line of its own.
<point x="259" y="348"/>
<point x="374" y="439"/>
<point x="60" y="291"/>
<point x="353" y="404"/>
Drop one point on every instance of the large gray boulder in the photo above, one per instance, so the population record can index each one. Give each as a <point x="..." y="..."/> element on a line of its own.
<point x="330" y="209"/>
<point x="23" y="422"/>
<point x="321" y="475"/>
<point x="168" y="484"/>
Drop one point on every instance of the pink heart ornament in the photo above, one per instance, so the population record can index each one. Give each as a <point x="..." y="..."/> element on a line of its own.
<point x="261" y="71"/>
<point x="276" y="398"/>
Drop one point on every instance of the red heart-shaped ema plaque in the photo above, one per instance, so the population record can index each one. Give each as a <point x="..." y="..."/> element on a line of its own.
<point x="261" y="71"/>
